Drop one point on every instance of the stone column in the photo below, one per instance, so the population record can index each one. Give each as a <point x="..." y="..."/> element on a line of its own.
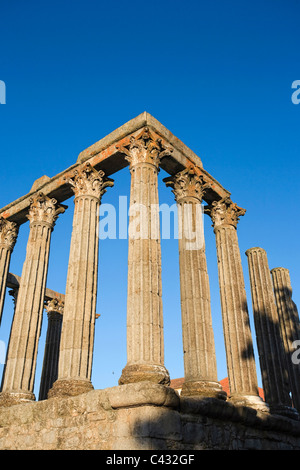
<point x="237" y="334"/>
<point x="19" y="373"/>
<point x="145" y="346"/>
<point x="77" y="336"/>
<point x="269" y="342"/>
<point x="8" y="237"/>
<point x="289" y="327"/>
<point x="200" y="367"/>
<point x="49" y="375"/>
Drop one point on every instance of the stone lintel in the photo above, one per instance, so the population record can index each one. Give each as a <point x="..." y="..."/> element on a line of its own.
<point x="104" y="155"/>
<point x="39" y="182"/>
<point x="13" y="282"/>
<point x="143" y="120"/>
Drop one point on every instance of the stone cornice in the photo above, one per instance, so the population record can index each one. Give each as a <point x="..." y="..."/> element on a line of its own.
<point x="104" y="155"/>
<point x="131" y="128"/>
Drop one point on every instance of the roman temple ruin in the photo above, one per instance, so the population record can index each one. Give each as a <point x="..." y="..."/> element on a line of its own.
<point x="143" y="411"/>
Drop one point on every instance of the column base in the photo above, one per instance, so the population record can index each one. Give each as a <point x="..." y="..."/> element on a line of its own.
<point x="203" y="388"/>
<point x="284" y="410"/>
<point x="70" y="388"/>
<point x="251" y="401"/>
<point x="15" y="398"/>
<point x="143" y="394"/>
<point x="144" y="373"/>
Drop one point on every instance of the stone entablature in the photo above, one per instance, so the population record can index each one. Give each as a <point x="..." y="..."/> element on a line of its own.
<point x="105" y="155"/>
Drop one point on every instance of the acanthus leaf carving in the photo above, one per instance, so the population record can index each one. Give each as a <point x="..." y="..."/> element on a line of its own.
<point x="54" y="305"/>
<point x="44" y="209"/>
<point x="145" y="148"/>
<point x="8" y="233"/>
<point x="224" y="212"/>
<point x="86" y="181"/>
<point x="187" y="184"/>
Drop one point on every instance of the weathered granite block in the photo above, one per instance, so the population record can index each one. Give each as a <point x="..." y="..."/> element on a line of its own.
<point x="89" y="421"/>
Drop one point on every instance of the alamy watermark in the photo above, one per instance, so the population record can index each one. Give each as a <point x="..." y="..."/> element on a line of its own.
<point x="183" y="222"/>
<point x="2" y="92"/>
<point x="296" y="94"/>
<point x="296" y="354"/>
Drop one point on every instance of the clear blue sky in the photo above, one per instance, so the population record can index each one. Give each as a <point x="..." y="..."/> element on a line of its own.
<point x="217" y="74"/>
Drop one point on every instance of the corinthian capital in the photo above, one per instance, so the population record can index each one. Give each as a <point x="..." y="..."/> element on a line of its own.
<point x="224" y="212"/>
<point x="44" y="209"/>
<point x="186" y="185"/>
<point x="14" y="294"/>
<point x="54" y="305"/>
<point x="145" y="148"/>
<point x="86" y="181"/>
<point x="8" y="233"/>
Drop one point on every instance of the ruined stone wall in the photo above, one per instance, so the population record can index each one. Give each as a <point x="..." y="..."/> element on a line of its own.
<point x="108" y="420"/>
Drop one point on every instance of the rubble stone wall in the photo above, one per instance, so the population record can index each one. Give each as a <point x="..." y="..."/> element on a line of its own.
<point x="108" y="420"/>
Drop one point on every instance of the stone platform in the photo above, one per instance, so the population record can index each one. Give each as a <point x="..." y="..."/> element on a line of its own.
<point x="142" y="416"/>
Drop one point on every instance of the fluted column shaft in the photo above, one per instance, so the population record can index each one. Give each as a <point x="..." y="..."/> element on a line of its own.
<point x="77" y="337"/>
<point x="237" y="334"/>
<point x="19" y="373"/>
<point x="289" y="327"/>
<point x="200" y="367"/>
<point x="8" y="236"/>
<point x="49" y="375"/>
<point x="269" y="342"/>
<point x="145" y="344"/>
